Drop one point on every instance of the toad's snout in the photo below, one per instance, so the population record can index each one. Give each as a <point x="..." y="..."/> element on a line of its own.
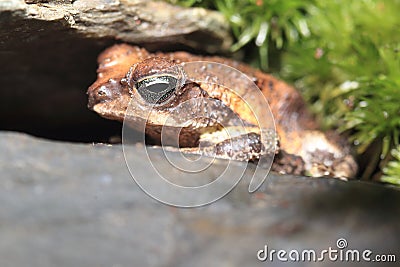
<point x="109" y="91"/>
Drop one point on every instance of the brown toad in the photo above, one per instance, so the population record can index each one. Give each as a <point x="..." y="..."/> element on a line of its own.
<point x="124" y="69"/>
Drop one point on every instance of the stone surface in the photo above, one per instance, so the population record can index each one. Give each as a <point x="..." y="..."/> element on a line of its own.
<point x="48" y="51"/>
<point x="134" y="21"/>
<point x="66" y="204"/>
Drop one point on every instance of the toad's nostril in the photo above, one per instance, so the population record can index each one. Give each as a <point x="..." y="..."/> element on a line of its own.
<point x="109" y="91"/>
<point x="101" y="92"/>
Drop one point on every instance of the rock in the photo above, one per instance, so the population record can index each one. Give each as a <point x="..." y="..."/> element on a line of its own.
<point x="131" y="21"/>
<point x="49" y="50"/>
<point x="69" y="204"/>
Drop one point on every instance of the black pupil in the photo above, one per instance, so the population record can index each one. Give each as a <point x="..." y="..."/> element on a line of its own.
<point x="157" y="89"/>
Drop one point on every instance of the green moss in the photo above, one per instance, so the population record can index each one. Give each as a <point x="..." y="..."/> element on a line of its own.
<point x="349" y="73"/>
<point x="268" y="25"/>
<point x="392" y="170"/>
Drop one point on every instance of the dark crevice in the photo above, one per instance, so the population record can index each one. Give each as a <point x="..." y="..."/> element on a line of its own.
<point x="44" y="76"/>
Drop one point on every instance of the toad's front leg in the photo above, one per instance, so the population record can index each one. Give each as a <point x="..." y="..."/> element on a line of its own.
<point x="249" y="147"/>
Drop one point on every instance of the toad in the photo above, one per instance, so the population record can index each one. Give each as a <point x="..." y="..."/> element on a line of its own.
<point x="126" y="70"/>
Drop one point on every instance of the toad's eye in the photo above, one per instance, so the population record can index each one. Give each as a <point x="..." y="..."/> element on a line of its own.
<point x="156" y="89"/>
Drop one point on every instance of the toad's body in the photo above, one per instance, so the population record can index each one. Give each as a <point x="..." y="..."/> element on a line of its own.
<point x="302" y="146"/>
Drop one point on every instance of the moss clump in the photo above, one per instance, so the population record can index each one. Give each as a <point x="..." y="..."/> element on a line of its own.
<point x="269" y="26"/>
<point x="349" y="72"/>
